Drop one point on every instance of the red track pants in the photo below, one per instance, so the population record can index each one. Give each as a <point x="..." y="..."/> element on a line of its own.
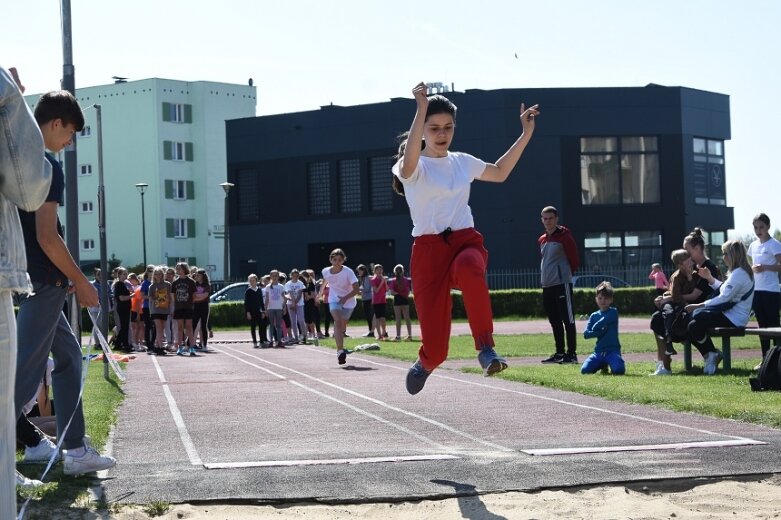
<point x="439" y="263"/>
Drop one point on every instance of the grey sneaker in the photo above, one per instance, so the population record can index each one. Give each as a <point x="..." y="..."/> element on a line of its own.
<point x="416" y="378"/>
<point x="491" y="362"/>
<point x="41" y="453"/>
<point x="712" y="359"/>
<point x="27" y="483"/>
<point x="87" y="462"/>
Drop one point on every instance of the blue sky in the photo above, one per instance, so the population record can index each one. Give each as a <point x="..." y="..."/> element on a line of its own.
<point x="304" y="54"/>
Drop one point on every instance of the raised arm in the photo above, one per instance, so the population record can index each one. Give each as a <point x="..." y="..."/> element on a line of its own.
<point x="501" y="170"/>
<point x="409" y="161"/>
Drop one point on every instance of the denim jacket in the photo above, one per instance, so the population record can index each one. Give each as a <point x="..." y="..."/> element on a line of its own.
<point x="25" y="176"/>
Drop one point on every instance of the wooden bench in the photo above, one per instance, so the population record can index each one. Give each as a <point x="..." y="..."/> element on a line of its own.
<point x="726" y="333"/>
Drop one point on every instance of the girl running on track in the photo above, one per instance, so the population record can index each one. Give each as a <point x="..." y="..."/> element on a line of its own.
<point x="343" y="287"/>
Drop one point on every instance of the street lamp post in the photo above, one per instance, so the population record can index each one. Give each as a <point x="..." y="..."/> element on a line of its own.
<point x="226" y="234"/>
<point x="141" y="187"/>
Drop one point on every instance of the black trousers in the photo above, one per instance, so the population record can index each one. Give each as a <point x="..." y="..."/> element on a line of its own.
<point x="766" y="307"/>
<point x="201" y="316"/>
<point x="150" y="331"/>
<point x="557" y="302"/>
<point x="701" y="321"/>
<point x="257" y="321"/>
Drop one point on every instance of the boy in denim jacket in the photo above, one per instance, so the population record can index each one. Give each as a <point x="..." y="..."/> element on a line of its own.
<point x="603" y="325"/>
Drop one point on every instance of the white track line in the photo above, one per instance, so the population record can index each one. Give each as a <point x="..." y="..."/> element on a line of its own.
<point x="386" y="422"/>
<point x="377" y="402"/>
<point x="560" y="401"/>
<point x="642" y="447"/>
<point x="187" y="441"/>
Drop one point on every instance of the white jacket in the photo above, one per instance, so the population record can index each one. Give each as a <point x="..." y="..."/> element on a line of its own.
<point x="25" y="178"/>
<point x="737" y="284"/>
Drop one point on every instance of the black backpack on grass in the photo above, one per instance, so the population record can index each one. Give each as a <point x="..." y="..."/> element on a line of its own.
<point x="769" y="374"/>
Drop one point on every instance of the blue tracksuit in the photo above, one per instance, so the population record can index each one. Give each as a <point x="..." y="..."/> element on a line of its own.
<point x="603" y="325"/>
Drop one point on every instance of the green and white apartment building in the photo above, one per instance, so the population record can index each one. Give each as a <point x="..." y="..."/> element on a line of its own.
<point x="170" y="135"/>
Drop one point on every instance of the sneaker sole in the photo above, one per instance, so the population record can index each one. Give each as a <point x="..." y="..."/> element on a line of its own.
<point x="104" y="467"/>
<point x="496" y="366"/>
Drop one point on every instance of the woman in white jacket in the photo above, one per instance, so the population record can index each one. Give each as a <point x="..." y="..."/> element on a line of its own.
<point x="729" y="308"/>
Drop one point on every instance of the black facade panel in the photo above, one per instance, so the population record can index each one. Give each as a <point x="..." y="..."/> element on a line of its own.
<point x="281" y="147"/>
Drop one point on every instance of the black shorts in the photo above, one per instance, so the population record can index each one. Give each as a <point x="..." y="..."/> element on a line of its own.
<point x="183" y="314"/>
<point x="134" y="317"/>
<point x="399" y="300"/>
<point x="161" y="317"/>
<point x="379" y="310"/>
<point x="310" y="312"/>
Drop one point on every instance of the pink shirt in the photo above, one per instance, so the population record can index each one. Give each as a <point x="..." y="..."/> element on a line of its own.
<point x="379" y="283"/>
<point x="660" y="280"/>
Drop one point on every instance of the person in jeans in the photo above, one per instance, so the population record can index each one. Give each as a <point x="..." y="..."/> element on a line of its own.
<point x="603" y="325"/>
<point x="730" y="307"/>
<point x="27" y="179"/>
<point x="765" y="253"/>
<point x="42" y="328"/>
<point x="365" y="283"/>
<point x="559" y="261"/>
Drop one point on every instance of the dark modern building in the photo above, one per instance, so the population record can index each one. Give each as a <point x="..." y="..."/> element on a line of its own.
<point x="631" y="171"/>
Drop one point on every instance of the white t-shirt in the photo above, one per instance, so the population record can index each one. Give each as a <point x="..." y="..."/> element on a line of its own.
<point x="737" y="284"/>
<point x="294" y="289"/>
<point x="437" y="192"/>
<point x="765" y="254"/>
<point x="340" y="284"/>
<point x="275" y="294"/>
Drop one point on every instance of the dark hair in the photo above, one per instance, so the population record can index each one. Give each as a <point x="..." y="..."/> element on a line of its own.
<point x="437" y="104"/>
<point x="605" y="289"/>
<point x="764" y="218"/>
<point x="59" y="104"/>
<point x="696" y="238"/>
<point x="204" y="277"/>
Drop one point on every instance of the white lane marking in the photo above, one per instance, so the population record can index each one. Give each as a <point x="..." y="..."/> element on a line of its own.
<point x="642" y="447"/>
<point x="187" y="441"/>
<point x="568" y="403"/>
<point x="381" y="403"/>
<point x="322" y="462"/>
<point x="347" y="405"/>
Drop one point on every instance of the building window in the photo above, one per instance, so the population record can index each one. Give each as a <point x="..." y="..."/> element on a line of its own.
<point x="177" y="113"/>
<point x="319" y="188"/>
<point x="180" y="227"/>
<point x="350" y="186"/>
<point x="85" y="169"/>
<point x="247" y="194"/>
<point x="177" y="151"/>
<point x="619" y="170"/>
<point x="85" y="132"/>
<point x="709" y="186"/>
<point x="86" y="206"/>
<point x="380" y="183"/>
<point x="88" y="244"/>
<point x="608" y="252"/>
<point x="179" y="190"/>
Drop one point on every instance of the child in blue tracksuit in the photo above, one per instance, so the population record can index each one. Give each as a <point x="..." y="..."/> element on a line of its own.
<point x="603" y="325"/>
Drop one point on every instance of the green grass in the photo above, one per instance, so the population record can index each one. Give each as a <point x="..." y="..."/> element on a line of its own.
<point x="101" y="401"/>
<point x="725" y="395"/>
<point x="519" y="345"/>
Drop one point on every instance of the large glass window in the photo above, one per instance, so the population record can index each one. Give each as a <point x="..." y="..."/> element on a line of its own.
<point x="380" y="183"/>
<point x="319" y="188"/>
<point x="606" y="252"/>
<point x="350" y="186"/>
<point x="619" y="170"/>
<point x="709" y="185"/>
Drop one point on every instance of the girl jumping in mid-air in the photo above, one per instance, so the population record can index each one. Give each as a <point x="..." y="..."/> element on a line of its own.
<point x="448" y="252"/>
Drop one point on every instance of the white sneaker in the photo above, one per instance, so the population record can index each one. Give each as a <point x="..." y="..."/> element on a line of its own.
<point x="27" y="483"/>
<point x="661" y="371"/>
<point x="41" y="453"/>
<point x="88" y="461"/>
<point x="712" y="359"/>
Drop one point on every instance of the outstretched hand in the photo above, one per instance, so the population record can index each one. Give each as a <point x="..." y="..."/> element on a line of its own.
<point x="527" y="117"/>
<point x="420" y="92"/>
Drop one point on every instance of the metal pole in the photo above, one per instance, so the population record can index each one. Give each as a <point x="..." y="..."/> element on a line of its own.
<point x="71" y="184"/>
<point x="143" y="227"/>
<point x="226" y="252"/>
<point x="104" y="306"/>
